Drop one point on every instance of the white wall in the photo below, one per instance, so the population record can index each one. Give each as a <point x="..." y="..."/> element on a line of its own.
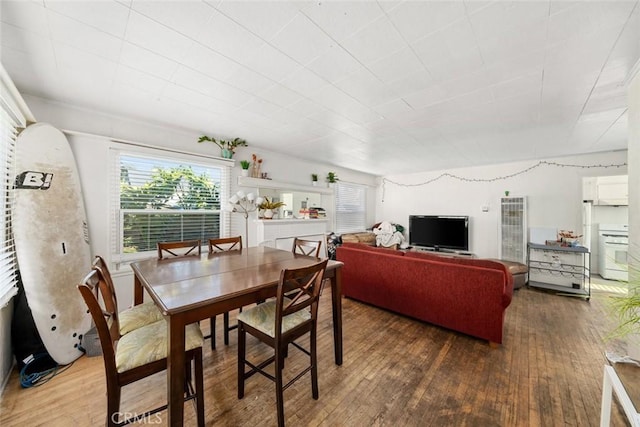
<point x="554" y="195"/>
<point x="91" y="153"/>
<point x="634" y="177"/>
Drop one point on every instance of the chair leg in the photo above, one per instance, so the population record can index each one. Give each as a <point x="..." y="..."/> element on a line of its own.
<point x="113" y="405"/>
<point x="279" y="389"/>
<point x="199" y="373"/>
<point x="212" y="322"/>
<point x="226" y="327"/>
<point x="242" y="335"/>
<point x="314" y="364"/>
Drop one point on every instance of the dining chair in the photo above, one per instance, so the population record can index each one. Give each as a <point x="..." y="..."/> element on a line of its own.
<point x="307" y="247"/>
<point x="179" y="249"/>
<point x="223" y="244"/>
<point x="279" y="322"/>
<point x="133" y="317"/>
<point x="139" y="353"/>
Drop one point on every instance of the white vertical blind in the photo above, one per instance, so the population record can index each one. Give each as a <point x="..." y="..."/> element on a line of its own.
<point x="350" y="207"/>
<point x="10" y="121"/>
<point x="157" y="197"/>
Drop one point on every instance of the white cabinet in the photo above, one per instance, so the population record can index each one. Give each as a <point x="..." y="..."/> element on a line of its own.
<point x="280" y="233"/>
<point x="512" y="232"/>
<point x="559" y="268"/>
<point x="606" y="190"/>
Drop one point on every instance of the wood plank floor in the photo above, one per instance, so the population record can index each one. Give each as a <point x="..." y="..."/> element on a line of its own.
<point x="396" y="371"/>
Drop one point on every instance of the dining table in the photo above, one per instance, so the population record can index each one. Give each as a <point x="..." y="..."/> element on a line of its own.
<point x="193" y="288"/>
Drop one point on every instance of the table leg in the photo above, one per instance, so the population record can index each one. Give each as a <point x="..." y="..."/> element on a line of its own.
<point x="336" y="300"/>
<point x="175" y="370"/>
<point x="607" y="392"/>
<point x="138" y="296"/>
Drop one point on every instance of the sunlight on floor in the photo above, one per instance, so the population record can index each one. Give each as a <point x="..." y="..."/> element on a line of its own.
<point x="598" y="284"/>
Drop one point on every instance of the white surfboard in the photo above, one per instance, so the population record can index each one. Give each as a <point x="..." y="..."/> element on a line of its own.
<point x="51" y="238"/>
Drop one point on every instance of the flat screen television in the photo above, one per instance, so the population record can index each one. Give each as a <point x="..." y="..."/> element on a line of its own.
<point x="439" y="232"/>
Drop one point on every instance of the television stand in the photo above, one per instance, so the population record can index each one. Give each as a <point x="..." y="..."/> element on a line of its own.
<point x="444" y="252"/>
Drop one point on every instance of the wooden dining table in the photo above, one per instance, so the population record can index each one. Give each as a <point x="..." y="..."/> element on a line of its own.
<point x="194" y="288"/>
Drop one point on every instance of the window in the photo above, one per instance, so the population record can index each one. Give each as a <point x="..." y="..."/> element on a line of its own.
<point x="159" y="198"/>
<point x="351" y="205"/>
<point x="10" y="120"/>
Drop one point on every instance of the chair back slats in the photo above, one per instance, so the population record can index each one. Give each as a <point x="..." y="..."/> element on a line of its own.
<point x="100" y="263"/>
<point x="105" y="320"/>
<point x="305" y="284"/>
<point x="307" y="247"/>
<point x="225" y="244"/>
<point x="179" y="249"/>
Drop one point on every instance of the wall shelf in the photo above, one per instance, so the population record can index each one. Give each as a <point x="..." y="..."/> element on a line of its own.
<point x="244" y="181"/>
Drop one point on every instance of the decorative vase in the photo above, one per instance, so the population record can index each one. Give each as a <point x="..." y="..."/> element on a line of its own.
<point x="255" y="170"/>
<point x="245" y="172"/>
<point x="268" y="214"/>
<point x="314" y="183"/>
<point x="227" y="154"/>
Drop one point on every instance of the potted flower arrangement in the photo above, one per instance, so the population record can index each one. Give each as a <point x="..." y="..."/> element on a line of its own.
<point x="268" y="206"/>
<point x="332" y="178"/>
<point x="314" y="179"/>
<point x="245" y="167"/>
<point x="228" y="147"/>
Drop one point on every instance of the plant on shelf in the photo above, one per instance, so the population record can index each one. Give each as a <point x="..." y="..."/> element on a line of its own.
<point x="314" y="179"/>
<point x="332" y="178"/>
<point x="228" y="146"/>
<point x="244" y="164"/>
<point x="269" y="206"/>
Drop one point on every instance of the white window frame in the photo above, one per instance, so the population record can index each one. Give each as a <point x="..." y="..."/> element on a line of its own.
<point x="345" y="211"/>
<point x="120" y="260"/>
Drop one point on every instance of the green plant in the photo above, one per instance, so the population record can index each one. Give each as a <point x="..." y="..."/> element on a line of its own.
<point x="230" y="144"/>
<point x="626" y="309"/>
<point x="245" y="164"/>
<point x="332" y="177"/>
<point x="314" y="177"/>
<point x="269" y="204"/>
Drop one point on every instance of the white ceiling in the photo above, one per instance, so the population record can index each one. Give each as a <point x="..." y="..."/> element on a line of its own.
<point x="376" y="86"/>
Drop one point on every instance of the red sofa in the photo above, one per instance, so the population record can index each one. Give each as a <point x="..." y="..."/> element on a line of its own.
<point x="467" y="295"/>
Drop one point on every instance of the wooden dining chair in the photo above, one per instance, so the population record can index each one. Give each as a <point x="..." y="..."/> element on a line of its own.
<point x="279" y="323"/>
<point x="179" y="249"/>
<point x="223" y="244"/>
<point x="307" y="247"/>
<point x="133" y="317"/>
<point x="139" y="353"/>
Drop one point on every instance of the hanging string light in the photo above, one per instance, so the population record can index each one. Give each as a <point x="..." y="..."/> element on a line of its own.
<point x="501" y="177"/>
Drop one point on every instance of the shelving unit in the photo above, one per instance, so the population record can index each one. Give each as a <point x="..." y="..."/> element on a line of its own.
<point x="566" y="270"/>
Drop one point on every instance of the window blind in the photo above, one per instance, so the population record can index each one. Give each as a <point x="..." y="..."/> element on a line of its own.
<point x="350" y="207"/>
<point x="157" y="198"/>
<point x="10" y="121"/>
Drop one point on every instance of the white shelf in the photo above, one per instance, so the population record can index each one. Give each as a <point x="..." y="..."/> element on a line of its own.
<point x="290" y="221"/>
<point x="244" y="181"/>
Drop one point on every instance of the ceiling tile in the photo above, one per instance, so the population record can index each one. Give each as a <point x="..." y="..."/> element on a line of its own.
<point x="147" y="61"/>
<point x="155" y="37"/>
<point x="107" y="16"/>
<point x="340" y="19"/>
<point x="265" y="19"/>
<point x="416" y="19"/>
<point x="185" y="17"/>
<point x="366" y="44"/>
<point x="301" y="40"/>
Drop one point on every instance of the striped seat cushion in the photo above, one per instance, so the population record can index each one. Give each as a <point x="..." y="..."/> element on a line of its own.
<point x="263" y="318"/>
<point x="149" y="344"/>
<point x="138" y="316"/>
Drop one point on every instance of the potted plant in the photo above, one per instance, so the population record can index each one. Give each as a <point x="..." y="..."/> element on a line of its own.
<point x="626" y="310"/>
<point x="228" y="147"/>
<point x="332" y="178"/>
<point x="268" y="206"/>
<point x="314" y="179"/>
<point x="245" y="167"/>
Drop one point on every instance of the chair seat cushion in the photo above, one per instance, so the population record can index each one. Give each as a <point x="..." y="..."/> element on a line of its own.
<point x="139" y="316"/>
<point x="149" y="344"/>
<point x="262" y="317"/>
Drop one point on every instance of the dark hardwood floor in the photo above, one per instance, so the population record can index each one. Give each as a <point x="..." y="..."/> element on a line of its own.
<point x="396" y="371"/>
